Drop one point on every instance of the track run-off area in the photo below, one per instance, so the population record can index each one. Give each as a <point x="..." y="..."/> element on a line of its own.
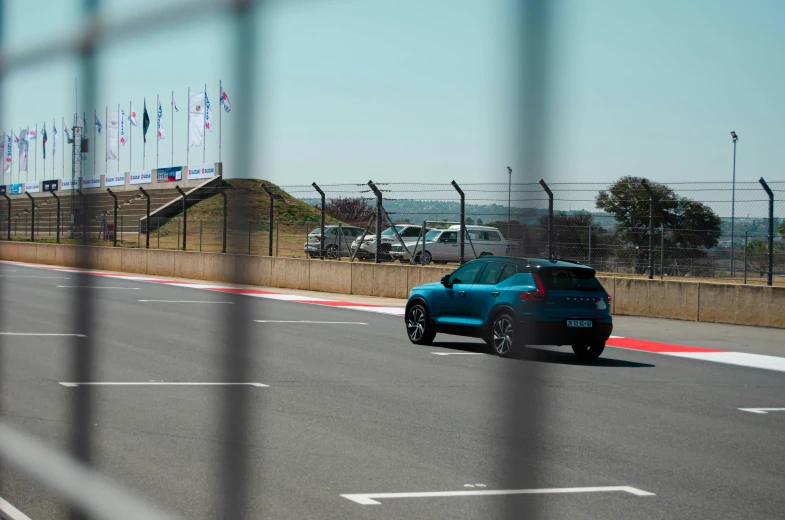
<point x="350" y="420"/>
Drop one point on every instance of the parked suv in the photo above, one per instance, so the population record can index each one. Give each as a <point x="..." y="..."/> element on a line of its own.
<point x="408" y="232"/>
<point x="443" y="245"/>
<point x="332" y="240"/>
<point x="513" y="302"/>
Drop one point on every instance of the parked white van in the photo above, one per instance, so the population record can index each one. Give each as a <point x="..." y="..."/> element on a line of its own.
<point x="443" y="245"/>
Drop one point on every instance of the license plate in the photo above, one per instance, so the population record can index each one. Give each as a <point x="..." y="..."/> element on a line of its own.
<point x="580" y="323"/>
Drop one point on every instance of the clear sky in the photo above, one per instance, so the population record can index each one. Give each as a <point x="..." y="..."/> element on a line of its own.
<point x="419" y="90"/>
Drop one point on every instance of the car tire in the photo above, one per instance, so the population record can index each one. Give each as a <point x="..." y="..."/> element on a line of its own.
<point x="418" y="327"/>
<point x="331" y="251"/>
<point x="501" y="336"/>
<point x="588" y="351"/>
<point x="418" y="259"/>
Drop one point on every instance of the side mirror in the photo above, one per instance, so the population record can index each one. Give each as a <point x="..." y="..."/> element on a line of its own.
<point x="446" y="280"/>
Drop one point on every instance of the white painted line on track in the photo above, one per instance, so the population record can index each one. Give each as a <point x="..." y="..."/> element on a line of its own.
<point x="159" y="383"/>
<point x="368" y="499"/>
<point x="40" y="277"/>
<point x="743" y="359"/>
<point x="458" y="354"/>
<point x="10" y="512"/>
<point x="183" y="301"/>
<point x="41" y="334"/>
<point x="762" y="410"/>
<point x="313" y="322"/>
<point x="97" y="287"/>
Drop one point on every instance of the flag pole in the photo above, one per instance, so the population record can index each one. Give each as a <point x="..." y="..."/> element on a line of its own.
<point x="144" y="139"/>
<point x="118" y="137"/>
<point x="157" y="124"/>
<point x="54" y="147"/>
<point x="130" y="136"/>
<point x="65" y="147"/>
<point x="172" y="109"/>
<point x="95" y="146"/>
<point x="43" y="147"/>
<point x="188" y="136"/>
<point x="220" y="115"/>
<point x="35" y="164"/>
<point x="204" y="126"/>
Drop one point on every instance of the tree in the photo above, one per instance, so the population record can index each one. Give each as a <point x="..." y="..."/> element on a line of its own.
<point x="693" y="226"/>
<point x="781" y="228"/>
<point x="357" y="211"/>
<point x="758" y="255"/>
<point x="574" y="235"/>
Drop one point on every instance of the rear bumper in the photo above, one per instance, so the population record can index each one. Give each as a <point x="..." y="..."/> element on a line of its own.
<point x="558" y="333"/>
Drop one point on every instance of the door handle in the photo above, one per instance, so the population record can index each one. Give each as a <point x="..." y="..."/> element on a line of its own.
<point x="495" y="293"/>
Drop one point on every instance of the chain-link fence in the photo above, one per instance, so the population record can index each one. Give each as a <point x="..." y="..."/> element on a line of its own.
<point x="677" y="230"/>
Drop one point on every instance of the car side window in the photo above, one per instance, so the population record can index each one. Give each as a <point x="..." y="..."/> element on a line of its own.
<point x="509" y="270"/>
<point x="491" y="274"/>
<point x="468" y="273"/>
<point x="449" y="237"/>
<point x="333" y="232"/>
<point x="494" y="236"/>
<point x="410" y="232"/>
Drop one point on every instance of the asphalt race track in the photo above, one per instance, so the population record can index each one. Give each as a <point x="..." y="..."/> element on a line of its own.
<point x="350" y="407"/>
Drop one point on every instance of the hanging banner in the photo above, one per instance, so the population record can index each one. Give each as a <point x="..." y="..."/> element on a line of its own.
<point x="69" y="185"/>
<point x="169" y="174"/>
<point x="142" y="177"/>
<point x="115" y="179"/>
<point x="32" y="187"/>
<point x="93" y="181"/>
<point x="16" y="189"/>
<point x="203" y="171"/>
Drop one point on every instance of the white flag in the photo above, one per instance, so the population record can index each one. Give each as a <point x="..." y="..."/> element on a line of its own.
<point x="111" y="135"/>
<point x="8" y="152"/>
<point x="65" y="130"/>
<point x="196" y="119"/>
<point x="123" y="135"/>
<point x="160" y="125"/>
<point x="24" y="145"/>
<point x="132" y="116"/>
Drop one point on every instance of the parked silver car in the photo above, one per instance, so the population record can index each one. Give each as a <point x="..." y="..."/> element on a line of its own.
<point x="335" y="238"/>
<point x="408" y="232"/>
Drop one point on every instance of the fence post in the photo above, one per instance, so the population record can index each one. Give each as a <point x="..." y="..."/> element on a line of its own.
<point x="321" y="220"/>
<point x="147" y="220"/>
<point x="271" y="216"/>
<point x="770" y="277"/>
<point x="463" y="220"/>
<point x="589" y="261"/>
<point x="32" y="217"/>
<point x="8" y="201"/>
<point x="550" y="217"/>
<point x="185" y="217"/>
<point x="277" y="238"/>
<point x="341" y="240"/>
<point x="662" y="252"/>
<point x="377" y="255"/>
<point x="651" y="227"/>
<point x="746" y="236"/>
<point x="223" y="240"/>
<point x="114" y="232"/>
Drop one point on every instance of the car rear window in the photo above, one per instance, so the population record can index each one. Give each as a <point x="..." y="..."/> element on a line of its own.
<point x="569" y="279"/>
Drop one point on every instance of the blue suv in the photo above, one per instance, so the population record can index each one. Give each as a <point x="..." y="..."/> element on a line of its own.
<point x="513" y="302"/>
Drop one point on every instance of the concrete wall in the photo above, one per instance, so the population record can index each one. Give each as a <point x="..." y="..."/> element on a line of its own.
<point x="694" y="301"/>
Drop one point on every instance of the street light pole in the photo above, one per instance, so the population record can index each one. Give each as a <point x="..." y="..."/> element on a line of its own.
<point x="733" y="207"/>
<point x="509" y="201"/>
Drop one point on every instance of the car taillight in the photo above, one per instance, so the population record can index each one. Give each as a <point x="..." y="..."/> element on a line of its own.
<point x="610" y="298"/>
<point x="536" y="295"/>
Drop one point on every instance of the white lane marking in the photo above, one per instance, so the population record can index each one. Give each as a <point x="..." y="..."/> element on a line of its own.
<point x="40" y="334"/>
<point x="457" y="353"/>
<point x="314" y="322"/>
<point x="159" y="383"/>
<point x="42" y="277"/>
<point x="762" y="410"/>
<point x="368" y="499"/>
<point x="97" y="287"/>
<point x="183" y="301"/>
<point x="10" y="512"/>
<point x="736" y="358"/>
